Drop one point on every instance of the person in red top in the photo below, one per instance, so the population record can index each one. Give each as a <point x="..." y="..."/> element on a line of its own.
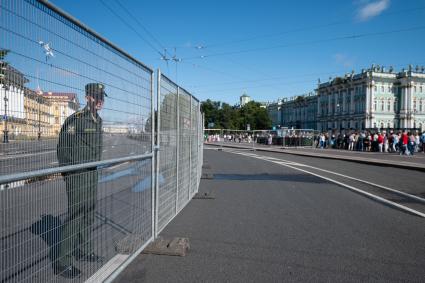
<point x="404" y="141"/>
<point x="380" y="141"/>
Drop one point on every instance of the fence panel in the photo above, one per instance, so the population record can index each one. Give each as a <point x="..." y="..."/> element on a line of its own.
<point x="180" y="154"/>
<point x="184" y="149"/>
<point x="90" y="171"/>
<point x="194" y="147"/>
<point x="168" y="138"/>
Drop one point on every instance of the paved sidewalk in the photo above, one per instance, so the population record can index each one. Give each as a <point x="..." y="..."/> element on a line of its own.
<point x="278" y="225"/>
<point x="416" y="162"/>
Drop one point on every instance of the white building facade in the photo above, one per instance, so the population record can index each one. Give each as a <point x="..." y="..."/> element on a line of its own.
<point x="244" y="99"/>
<point x="376" y="98"/>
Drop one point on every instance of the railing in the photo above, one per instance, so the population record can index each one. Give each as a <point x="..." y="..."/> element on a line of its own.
<point x="261" y="138"/>
<point x="86" y="174"/>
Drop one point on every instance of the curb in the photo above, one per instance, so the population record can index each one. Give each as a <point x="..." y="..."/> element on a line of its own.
<point x="345" y="158"/>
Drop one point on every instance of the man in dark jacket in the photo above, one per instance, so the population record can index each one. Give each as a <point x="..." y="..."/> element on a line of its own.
<point x="80" y="141"/>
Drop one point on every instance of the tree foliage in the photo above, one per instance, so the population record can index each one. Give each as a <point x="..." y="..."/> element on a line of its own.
<point x="226" y="116"/>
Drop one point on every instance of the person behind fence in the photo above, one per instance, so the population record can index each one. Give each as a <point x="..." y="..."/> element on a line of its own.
<point x="80" y="141"/>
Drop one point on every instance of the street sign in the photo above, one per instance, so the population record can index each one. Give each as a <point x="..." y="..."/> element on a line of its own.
<point x="4" y="117"/>
<point x="248" y="127"/>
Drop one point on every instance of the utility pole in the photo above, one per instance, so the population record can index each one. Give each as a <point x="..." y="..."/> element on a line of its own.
<point x="3" y="81"/>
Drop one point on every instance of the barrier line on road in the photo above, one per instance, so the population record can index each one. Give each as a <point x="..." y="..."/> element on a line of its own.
<point x="375" y="197"/>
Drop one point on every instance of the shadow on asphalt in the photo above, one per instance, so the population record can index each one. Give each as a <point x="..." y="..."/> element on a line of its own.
<point x="302" y="178"/>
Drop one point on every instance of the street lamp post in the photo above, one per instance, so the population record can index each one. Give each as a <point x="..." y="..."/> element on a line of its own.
<point x="39" y="118"/>
<point x="5" y="130"/>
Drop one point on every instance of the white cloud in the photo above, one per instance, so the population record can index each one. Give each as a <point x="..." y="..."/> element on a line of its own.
<point x="372" y="9"/>
<point x="343" y="60"/>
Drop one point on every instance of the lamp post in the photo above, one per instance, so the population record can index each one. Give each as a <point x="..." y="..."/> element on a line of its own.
<point x="39" y="126"/>
<point x="5" y="130"/>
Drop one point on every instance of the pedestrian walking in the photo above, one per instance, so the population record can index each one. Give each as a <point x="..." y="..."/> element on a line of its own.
<point x="404" y="140"/>
<point x="351" y="142"/>
<point x="80" y="141"/>
<point x="423" y="142"/>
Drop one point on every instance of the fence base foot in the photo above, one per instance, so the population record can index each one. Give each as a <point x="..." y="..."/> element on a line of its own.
<point x="203" y="196"/>
<point x="171" y="247"/>
<point x="207" y="176"/>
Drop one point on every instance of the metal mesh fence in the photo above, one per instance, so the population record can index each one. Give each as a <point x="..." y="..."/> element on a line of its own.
<point x="76" y="153"/>
<point x="180" y="155"/>
<point x="261" y="138"/>
<point x="184" y="149"/>
<point x="168" y="140"/>
<point x="194" y="145"/>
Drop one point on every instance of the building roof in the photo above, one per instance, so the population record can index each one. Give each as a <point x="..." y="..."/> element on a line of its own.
<point x="68" y="95"/>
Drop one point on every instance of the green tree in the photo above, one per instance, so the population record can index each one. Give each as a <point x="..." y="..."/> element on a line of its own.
<point x="226" y="116"/>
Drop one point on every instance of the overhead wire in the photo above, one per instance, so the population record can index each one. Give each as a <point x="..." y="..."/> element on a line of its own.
<point x="131" y="27"/>
<point x="225" y="91"/>
<point x="140" y="24"/>
<point x="345" y="37"/>
<point x="300" y="29"/>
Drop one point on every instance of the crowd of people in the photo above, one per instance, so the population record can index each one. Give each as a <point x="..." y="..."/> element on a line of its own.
<point x="402" y="142"/>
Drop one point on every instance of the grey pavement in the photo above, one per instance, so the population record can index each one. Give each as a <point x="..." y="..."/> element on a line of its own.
<point x="271" y="223"/>
<point x="416" y="161"/>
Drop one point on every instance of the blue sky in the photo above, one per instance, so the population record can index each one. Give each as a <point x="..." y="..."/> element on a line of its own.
<point x="268" y="49"/>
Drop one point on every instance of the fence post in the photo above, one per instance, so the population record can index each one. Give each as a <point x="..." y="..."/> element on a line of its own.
<point x="158" y="143"/>
<point x="153" y="189"/>
<point x="190" y="150"/>
<point x="200" y="139"/>
<point x="177" y="148"/>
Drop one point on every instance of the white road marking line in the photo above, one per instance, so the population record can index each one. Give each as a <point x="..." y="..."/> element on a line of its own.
<point x="342" y="184"/>
<point x="346" y="176"/>
<point x="26" y="155"/>
<point x="365" y="182"/>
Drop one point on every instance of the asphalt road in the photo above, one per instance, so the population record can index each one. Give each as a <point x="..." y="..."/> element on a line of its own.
<point x="273" y="223"/>
<point x="26" y="237"/>
<point x="25" y="156"/>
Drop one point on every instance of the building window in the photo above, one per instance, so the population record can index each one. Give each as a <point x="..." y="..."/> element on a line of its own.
<point x="388" y="105"/>
<point x="376" y="88"/>
<point x="395" y="105"/>
<point x="56" y="120"/>
<point x="382" y="105"/>
<point x="375" y="105"/>
<point x="420" y="105"/>
<point x="382" y="89"/>
<point x="414" y="104"/>
<point x="421" y="89"/>
<point x="414" y="89"/>
<point x="389" y="89"/>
